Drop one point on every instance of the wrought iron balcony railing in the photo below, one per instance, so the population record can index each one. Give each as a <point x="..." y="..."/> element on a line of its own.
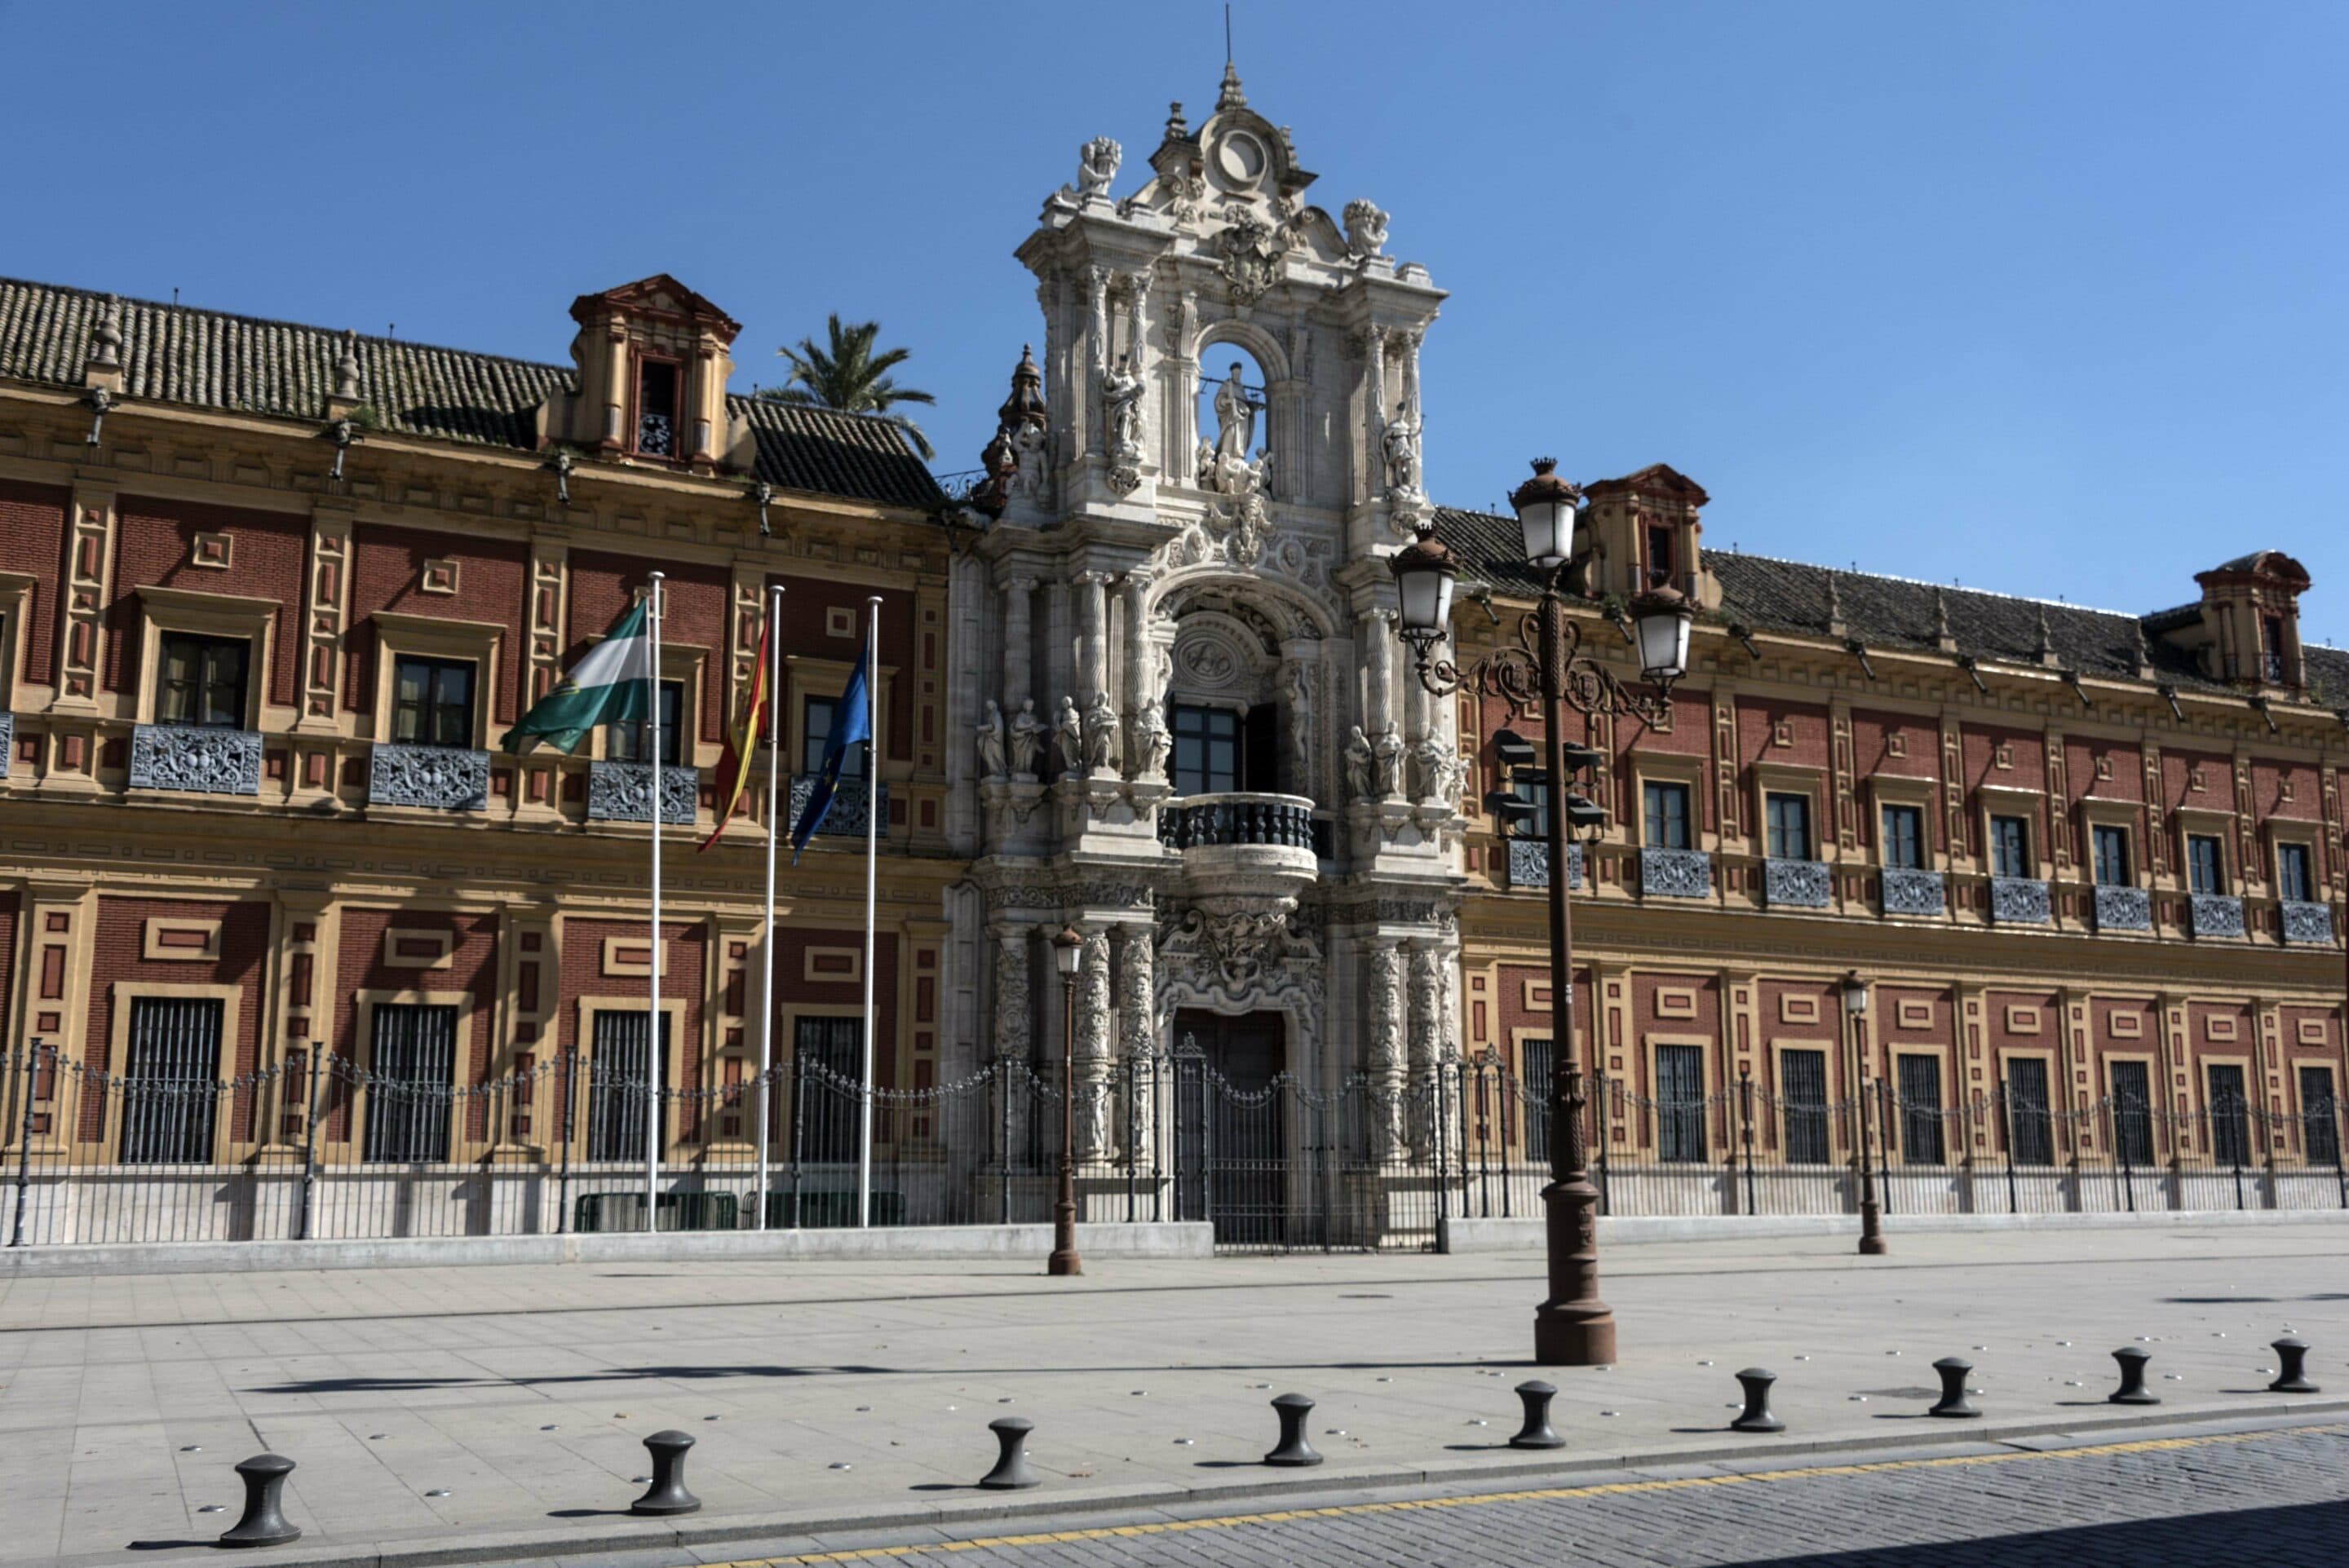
<point x="1910" y="890"/>
<point x="1796" y="884"/>
<point x="197" y="759"/>
<point x="2123" y="908"/>
<point x="852" y="806"/>
<point x="2215" y="914"/>
<point x="448" y="777"/>
<point x="1675" y="873"/>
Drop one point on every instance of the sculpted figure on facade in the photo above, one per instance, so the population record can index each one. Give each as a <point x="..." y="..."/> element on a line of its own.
<point x="1366" y="230"/>
<point x="1401" y="445"/>
<point x="1438" y="770"/>
<point x="1387" y="751"/>
<point x="1121" y="392"/>
<point x="1361" y="765"/>
<point x="1153" y="742"/>
<point x="1097" y="162"/>
<point x="993" y="760"/>
<point x="1100" y="734"/>
<point x="1068" y="734"/>
<point x="1235" y="417"/>
<point x="1027" y="741"/>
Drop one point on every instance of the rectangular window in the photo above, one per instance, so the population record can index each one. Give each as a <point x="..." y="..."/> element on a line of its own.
<point x="1920" y="1107"/>
<point x="202" y="681"/>
<point x="618" y="1085"/>
<point x="1802" y="1098"/>
<point x="657" y="383"/>
<point x="817" y="717"/>
<point x="1667" y="815"/>
<point x="169" y="1093"/>
<point x="2293" y="882"/>
<point x="1789" y="821"/>
<point x="2010" y="847"/>
<point x="410" y="1083"/>
<point x="1207" y="749"/>
<point x="432" y="701"/>
<point x="2112" y="851"/>
<point x="1533" y="1097"/>
<point x="1660" y="565"/>
<point x="1904" y="837"/>
<point x="2271" y="649"/>
<point x="2031" y="1137"/>
<point x="626" y="740"/>
<point x="2132" y="1114"/>
<point x="2230" y="1132"/>
<point x="1535" y="825"/>
<point x="2320" y="1117"/>
<point x="2205" y="864"/>
<point x="829" y="1058"/>
<point x="1680" y="1104"/>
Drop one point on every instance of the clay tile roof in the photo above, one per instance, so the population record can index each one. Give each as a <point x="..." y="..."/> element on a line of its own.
<point x="245" y="364"/>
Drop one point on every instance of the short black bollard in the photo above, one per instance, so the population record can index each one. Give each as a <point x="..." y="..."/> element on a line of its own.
<point x="2132" y="1391"/>
<point x="1537" y="1433"/>
<point x="667" y="1493"/>
<point x="1012" y="1473"/>
<point x="1954" y="1373"/>
<point x="264" y="1523"/>
<point x="1756" y="1415"/>
<point x="1293" y="1450"/>
<point x="2292" y="1377"/>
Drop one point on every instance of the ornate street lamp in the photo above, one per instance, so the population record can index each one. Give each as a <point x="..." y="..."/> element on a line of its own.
<point x="1872" y="1214"/>
<point x="1068" y="951"/>
<point x="1548" y="672"/>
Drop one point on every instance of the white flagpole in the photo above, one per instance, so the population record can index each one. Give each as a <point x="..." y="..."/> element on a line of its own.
<point x="774" y="831"/>
<point x="872" y="868"/>
<point x="654" y="1077"/>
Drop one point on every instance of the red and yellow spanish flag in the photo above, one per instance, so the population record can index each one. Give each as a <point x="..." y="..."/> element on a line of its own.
<point x="742" y="739"/>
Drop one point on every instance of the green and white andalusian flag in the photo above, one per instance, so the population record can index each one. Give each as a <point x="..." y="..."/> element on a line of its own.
<point x="607" y="686"/>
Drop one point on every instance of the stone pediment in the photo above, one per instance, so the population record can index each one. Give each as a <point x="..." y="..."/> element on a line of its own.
<point x="659" y="295"/>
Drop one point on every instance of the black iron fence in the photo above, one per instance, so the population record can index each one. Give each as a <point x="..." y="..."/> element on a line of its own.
<point x="163" y="1153"/>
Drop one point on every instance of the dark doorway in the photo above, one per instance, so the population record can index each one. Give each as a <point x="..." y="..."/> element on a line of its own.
<point x="1232" y="1109"/>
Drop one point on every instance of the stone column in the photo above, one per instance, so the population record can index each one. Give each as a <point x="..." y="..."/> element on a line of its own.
<point x="1018" y="682"/>
<point x="1376" y="639"/>
<point x="1137" y="1009"/>
<point x="1374" y="455"/>
<point x="1426" y="1043"/>
<point x="1093" y="1045"/>
<point x="1382" y="1044"/>
<point x="1139" y="683"/>
<point x="1096" y="354"/>
<point x="1093" y="637"/>
<point x="1015" y="1034"/>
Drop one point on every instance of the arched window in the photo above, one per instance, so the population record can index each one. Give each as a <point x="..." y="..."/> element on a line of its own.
<point x="1231" y="406"/>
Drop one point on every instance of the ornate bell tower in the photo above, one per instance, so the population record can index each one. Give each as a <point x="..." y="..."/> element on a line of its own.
<point x="1191" y="734"/>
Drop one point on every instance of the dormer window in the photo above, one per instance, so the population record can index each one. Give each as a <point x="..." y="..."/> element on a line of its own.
<point x="2271" y="662"/>
<point x="1660" y="556"/>
<point x="657" y="408"/>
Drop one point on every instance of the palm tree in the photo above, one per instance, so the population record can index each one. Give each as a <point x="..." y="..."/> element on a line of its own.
<point x="848" y="375"/>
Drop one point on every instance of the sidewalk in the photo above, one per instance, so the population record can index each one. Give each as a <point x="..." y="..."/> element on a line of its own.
<point x="823" y="1395"/>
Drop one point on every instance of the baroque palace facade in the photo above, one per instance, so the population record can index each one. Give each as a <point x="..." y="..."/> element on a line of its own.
<point x="269" y="593"/>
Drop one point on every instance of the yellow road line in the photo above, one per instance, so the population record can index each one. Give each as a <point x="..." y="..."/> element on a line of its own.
<point x="1546" y="1494"/>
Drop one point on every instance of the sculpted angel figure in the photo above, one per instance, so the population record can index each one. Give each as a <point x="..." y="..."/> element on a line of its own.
<point x="1069" y="733"/>
<point x="1366" y="230"/>
<point x="1360" y="760"/>
<point x="992" y="762"/>
<point x="1027" y="739"/>
<point x="1097" y="163"/>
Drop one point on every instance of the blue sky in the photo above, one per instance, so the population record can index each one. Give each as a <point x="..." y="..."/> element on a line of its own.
<point x="2042" y="297"/>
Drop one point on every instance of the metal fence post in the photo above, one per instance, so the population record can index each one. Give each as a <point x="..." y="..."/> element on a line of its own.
<point x="1003" y="1077"/>
<point x="568" y="1063"/>
<point x="1132" y="1080"/>
<point x="25" y="1145"/>
<point x="1745" y="1130"/>
<point x="1597" y="1138"/>
<point x="310" y="1145"/>
<point x="2006" y="1141"/>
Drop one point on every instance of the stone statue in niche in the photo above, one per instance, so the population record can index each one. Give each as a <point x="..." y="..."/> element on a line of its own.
<point x="1122" y="416"/>
<point x="1097" y="163"/>
<point x="1366" y="230"/>
<point x="1028" y="477"/>
<point x="1401" y="445"/>
<point x="1386" y="751"/>
<point x="1068" y="734"/>
<point x="993" y="762"/>
<point x="1154" y="742"/>
<point x="1235" y="419"/>
<point x="1100" y="734"/>
<point x="1027" y="741"/>
<point x="1361" y="765"/>
<point x="1435" y="761"/>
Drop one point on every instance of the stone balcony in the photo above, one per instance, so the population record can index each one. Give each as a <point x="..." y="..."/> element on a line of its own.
<point x="1528" y="865"/>
<point x="2123" y="908"/>
<point x="1242" y="841"/>
<point x="439" y="778"/>
<point x="1915" y="893"/>
<point x="623" y="792"/>
<point x="2210" y="914"/>
<point x="1796" y="884"/>
<point x="1675" y="873"/>
<point x="195" y="759"/>
<point x="2021" y="901"/>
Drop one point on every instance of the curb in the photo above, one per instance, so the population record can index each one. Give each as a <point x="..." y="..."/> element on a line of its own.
<point x="628" y="1535"/>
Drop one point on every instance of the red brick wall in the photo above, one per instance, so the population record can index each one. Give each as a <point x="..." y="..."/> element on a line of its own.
<point x="152" y="548"/>
<point x="1757" y="722"/>
<point x="807" y="601"/>
<point x="117" y="958"/>
<point x="32" y="540"/>
<point x="582" y="975"/>
<point x="793" y="987"/>
<point x="600" y="586"/>
<point x="2268" y="781"/>
<point x="386" y="569"/>
<point x="472" y="968"/>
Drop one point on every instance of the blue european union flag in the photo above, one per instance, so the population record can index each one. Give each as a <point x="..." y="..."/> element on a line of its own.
<point x="852" y="721"/>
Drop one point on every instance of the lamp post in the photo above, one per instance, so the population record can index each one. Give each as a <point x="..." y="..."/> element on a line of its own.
<point x="1068" y="952"/>
<point x="1871" y="1212"/>
<point x="1547" y="671"/>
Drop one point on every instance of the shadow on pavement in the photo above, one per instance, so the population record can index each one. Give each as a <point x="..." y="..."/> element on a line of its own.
<point x="2308" y="1532"/>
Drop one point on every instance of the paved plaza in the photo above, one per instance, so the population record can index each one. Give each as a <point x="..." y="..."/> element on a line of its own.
<point x="499" y="1412"/>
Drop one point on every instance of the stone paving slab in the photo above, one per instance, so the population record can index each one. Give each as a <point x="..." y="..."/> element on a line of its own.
<point x="524" y="1393"/>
